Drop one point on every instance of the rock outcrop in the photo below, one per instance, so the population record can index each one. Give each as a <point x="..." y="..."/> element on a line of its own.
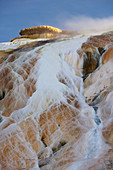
<point x="93" y="49"/>
<point x="42" y="31"/>
<point x="107" y="55"/>
<point x="56" y="103"/>
<point x="98" y="92"/>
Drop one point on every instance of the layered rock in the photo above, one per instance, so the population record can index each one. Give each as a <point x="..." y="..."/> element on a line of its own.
<point x="15" y="151"/>
<point x="45" y="119"/>
<point x="99" y="81"/>
<point x="107" y="55"/>
<point x="42" y="31"/>
<point x="92" y="51"/>
<point x="98" y="92"/>
<point x="49" y="117"/>
<point x="15" y="81"/>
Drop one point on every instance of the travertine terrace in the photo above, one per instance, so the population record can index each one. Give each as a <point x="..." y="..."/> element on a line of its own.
<point x="56" y="101"/>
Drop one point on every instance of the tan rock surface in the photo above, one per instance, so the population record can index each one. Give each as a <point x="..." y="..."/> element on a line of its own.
<point x="93" y="49"/>
<point x="42" y="31"/>
<point x="3" y="55"/>
<point x="15" y="83"/>
<point x="46" y="121"/>
<point x="99" y="92"/>
<point x="98" y="41"/>
<point x="107" y="55"/>
<point x="15" y="152"/>
<point x="98" y="81"/>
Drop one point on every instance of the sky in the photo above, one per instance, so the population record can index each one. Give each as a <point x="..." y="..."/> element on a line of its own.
<point x="64" y="14"/>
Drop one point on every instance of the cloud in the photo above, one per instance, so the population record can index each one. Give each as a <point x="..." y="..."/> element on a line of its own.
<point x="85" y="24"/>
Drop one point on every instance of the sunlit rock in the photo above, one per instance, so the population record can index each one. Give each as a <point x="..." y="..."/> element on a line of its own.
<point x="15" y="84"/>
<point x="42" y="31"/>
<point x="45" y="88"/>
<point x="105" y="159"/>
<point x="30" y="128"/>
<point x="99" y="92"/>
<point x="98" y="81"/>
<point x="15" y="151"/>
<point x="99" y="40"/>
<point x="92" y="50"/>
<point x="107" y="55"/>
<point x="63" y="123"/>
<point x="39" y="30"/>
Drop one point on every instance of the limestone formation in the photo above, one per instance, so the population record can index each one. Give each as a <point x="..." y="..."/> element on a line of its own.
<point x="98" y="81"/>
<point x="93" y="49"/>
<point x="99" y="92"/>
<point x="15" y="151"/>
<point x="107" y="55"/>
<point x="15" y="83"/>
<point x="43" y="31"/>
<point x="39" y="30"/>
<point x="56" y="102"/>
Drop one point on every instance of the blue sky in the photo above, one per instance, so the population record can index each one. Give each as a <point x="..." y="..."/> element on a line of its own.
<point x="18" y="14"/>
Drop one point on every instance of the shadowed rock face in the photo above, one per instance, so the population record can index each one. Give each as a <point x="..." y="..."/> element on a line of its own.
<point x="92" y="51"/>
<point x="45" y="119"/>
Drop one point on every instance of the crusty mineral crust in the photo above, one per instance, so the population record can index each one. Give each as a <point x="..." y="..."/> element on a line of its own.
<point x="56" y="137"/>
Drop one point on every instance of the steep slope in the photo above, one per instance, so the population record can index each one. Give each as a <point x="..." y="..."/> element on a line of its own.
<point x="46" y="122"/>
